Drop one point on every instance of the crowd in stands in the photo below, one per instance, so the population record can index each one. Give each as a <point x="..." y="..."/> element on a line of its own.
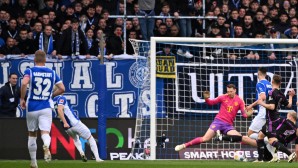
<point x="74" y="27"/>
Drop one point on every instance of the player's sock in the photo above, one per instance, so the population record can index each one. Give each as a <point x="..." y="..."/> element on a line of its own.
<point x="270" y="148"/>
<point x="261" y="147"/>
<point x="254" y="136"/>
<point x="78" y="144"/>
<point x="32" y="147"/>
<point x="232" y="138"/>
<point x="195" y="141"/>
<point x="46" y="139"/>
<point x="279" y="146"/>
<point x="94" y="148"/>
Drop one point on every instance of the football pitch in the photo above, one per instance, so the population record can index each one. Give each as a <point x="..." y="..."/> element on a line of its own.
<point x="144" y="164"/>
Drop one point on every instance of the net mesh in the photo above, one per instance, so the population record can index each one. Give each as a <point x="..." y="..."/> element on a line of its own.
<point x="181" y="112"/>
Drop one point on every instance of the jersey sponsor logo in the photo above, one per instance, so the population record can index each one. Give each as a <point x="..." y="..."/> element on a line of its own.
<point x="138" y="72"/>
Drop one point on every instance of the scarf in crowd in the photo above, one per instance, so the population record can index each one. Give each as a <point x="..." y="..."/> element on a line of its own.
<point x="75" y="47"/>
<point x="50" y="44"/>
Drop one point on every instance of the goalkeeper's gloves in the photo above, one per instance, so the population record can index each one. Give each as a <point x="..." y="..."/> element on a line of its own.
<point x="206" y="94"/>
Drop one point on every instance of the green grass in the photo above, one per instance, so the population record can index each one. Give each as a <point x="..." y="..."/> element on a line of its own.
<point x="145" y="164"/>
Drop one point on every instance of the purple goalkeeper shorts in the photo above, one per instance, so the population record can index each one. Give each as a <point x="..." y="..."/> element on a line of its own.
<point x="221" y="125"/>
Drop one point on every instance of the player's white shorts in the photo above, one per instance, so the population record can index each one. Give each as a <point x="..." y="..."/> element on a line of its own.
<point x="79" y="129"/>
<point x="257" y="123"/>
<point x="41" y="119"/>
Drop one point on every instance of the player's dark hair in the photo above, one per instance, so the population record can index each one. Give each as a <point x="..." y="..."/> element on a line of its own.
<point x="231" y="86"/>
<point x="276" y="79"/>
<point x="263" y="70"/>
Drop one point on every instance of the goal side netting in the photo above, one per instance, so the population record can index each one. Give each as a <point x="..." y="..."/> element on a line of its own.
<point x="171" y="108"/>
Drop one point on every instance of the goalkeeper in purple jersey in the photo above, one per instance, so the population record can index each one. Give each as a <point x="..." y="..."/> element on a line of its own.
<point x="273" y="121"/>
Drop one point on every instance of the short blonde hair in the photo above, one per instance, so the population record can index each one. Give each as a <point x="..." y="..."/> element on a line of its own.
<point x="40" y="56"/>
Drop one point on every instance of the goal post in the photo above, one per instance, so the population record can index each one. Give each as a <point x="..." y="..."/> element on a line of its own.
<point x="216" y="62"/>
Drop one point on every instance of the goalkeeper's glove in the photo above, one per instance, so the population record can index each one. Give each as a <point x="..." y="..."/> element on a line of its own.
<point x="249" y="112"/>
<point x="206" y="94"/>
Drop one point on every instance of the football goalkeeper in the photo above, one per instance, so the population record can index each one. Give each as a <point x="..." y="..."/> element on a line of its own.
<point x="223" y="122"/>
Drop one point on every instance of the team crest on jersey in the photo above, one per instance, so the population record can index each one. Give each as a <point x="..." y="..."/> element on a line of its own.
<point x="235" y="103"/>
<point x="138" y="72"/>
<point x="61" y="101"/>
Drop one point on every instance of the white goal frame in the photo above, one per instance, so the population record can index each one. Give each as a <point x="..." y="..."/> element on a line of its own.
<point x="155" y="40"/>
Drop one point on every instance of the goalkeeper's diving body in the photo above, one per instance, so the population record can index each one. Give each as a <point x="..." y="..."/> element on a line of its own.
<point x="223" y="122"/>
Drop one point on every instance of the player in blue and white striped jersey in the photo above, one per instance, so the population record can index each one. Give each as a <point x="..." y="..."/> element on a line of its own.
<point x="41" y="81"/>
<point x="74" y="127"/>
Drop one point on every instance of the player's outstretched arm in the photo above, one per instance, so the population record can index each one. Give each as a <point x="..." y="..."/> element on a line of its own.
<point x="60" y="109"/>
<point x="267" y="106"/>
<point x="206" y="95"/>
<point x="261" y="96"/>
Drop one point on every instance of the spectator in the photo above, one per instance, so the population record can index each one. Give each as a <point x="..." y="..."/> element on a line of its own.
<point x="115" y="42"/>
<point x="95" y="49"/>
<point x="292" y="12"/>
<point x="49" y="6"/>
<point x="24" y="43"/>
<point x="242" y="13"/>
<point x="129" y="26"/>
<point x="9" y="48"/>
<point x="9" y="97"/>
<point x="162" y="31"/>
<point x="92" y="20"/>
<point x="254" y="6"/>
<point x="36" y="29"/>
<point x="265" y="9"/>
<point x="166" y="51"/>
<point x="147" y="24"/>
<point x="46" y="41"/>
<point x="3" y="21"/>
<point x="83" y="23"/>
<point x="239" y="32"/>
<point x="73" y="41"/>
<point x="165" y="11"/>
<point x="157" y="23"/>
<point x="259" y="21"/>
<point x="69" y="14"/>
<point x="11" y="30"/>
<point x="98" y="10"/>
<point x="2" y="42"/>
<point x="249" y="29"/>
<point x="234" y="18"/>
<point x="215" y="30"/>
<point x="174" y="31"/>
<point x="293" y="35"/>
<point x="137" y="27"/>
<point x="283" y="23"/>
<point x="273" y="14"/>
<point x="221" y="20"/>
<point x="273" y="55"/>
<point x="78" y="9"/>
<point x="129" y="48"/>
<point x="294" y="21"/>
<point x="89" y="37"/>
<point x="29" y="18"/>
<point x="102" y="24"/>
<point x="20" y="7"/>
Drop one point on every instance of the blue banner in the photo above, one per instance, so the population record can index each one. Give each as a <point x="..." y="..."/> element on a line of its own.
<point x="81" y="79"/>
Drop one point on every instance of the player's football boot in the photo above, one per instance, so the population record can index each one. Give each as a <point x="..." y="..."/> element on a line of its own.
<point x="258" y="161"/>
<point x="180" y="147"/>
<point x="84" y="158"/>
<point x="47" y="154"/>
<point x="218" y="136"/>
<point x="274" y="159"/>
<point x="99" y="160"/>
<point x="33" y="165"/>
<point x="292" y="157"/>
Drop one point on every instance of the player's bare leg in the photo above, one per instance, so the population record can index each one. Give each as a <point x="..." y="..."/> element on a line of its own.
<point x="207" y="137"/>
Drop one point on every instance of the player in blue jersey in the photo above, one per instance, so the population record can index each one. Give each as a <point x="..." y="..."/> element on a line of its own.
<point x="263" y="87"/>
<point x="41" y="81"/>
<point x="74" y="127"/>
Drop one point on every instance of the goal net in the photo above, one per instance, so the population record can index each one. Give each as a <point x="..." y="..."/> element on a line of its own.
<point x="171" y="109"/>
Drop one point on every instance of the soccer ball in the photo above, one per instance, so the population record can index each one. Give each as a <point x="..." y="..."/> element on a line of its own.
<point x="239" y="156"/>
